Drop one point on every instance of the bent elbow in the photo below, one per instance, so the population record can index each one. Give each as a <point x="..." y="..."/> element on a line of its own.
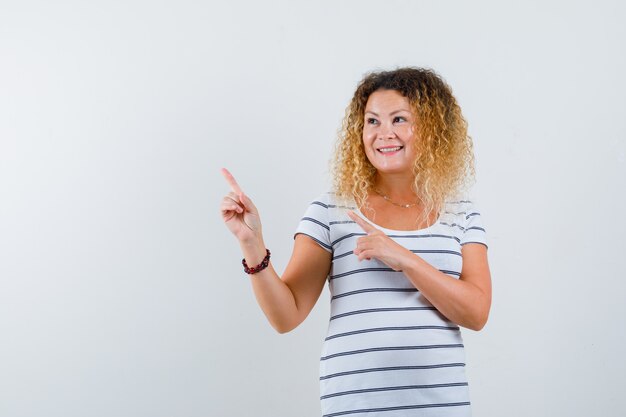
<point x="478" y="326"/>
<point x="282" y="328"/>
<point x="479" y="323"/>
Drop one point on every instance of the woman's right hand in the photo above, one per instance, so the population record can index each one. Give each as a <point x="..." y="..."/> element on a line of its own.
<point x="239" y="213"/>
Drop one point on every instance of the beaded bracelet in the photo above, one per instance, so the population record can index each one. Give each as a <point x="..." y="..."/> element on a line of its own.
<point x="259" y="267"/>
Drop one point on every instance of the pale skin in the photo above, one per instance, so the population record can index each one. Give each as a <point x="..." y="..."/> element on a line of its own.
<point x="288" y="299"/>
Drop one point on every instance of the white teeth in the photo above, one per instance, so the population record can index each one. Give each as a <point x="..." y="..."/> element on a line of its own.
<point x="385" y="150"/>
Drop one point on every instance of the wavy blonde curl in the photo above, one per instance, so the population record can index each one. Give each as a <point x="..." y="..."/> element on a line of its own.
<point x="444" y="165"/>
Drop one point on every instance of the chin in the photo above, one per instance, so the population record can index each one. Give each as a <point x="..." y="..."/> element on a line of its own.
<point x="391" y="170"/>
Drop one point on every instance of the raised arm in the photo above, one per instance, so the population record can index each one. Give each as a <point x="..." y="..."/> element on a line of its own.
<point x="286" y="301"/>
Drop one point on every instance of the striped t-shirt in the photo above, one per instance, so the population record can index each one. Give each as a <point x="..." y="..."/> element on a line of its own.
<point x="388" y="351"/>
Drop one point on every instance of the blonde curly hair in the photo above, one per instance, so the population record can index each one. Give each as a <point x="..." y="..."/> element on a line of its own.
<point x="444" y="165"/>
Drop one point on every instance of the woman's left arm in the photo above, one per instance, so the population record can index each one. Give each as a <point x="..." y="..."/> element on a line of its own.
<point x="465" y="301"/>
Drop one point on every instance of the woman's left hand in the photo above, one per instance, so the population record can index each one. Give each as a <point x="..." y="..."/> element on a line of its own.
<point x="380" y="246"/>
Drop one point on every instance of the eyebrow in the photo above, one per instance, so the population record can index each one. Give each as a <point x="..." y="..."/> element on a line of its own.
<point x="390" y="114"/>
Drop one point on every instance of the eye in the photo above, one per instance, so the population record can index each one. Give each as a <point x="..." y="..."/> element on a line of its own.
<point x="399" y="119"/>
<point x="372" y="121"/>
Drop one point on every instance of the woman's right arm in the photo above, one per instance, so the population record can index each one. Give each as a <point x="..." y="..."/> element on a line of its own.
<point x="286" y="301"/>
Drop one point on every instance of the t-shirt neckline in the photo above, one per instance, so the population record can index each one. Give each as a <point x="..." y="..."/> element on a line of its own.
<point x="359" y="213"/>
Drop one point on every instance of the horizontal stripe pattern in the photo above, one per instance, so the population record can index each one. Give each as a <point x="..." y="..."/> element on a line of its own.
<point x="342" y="222"/>
<point x="401" y="407"/>
<point x="413" y="236"/>
<point x="367" y="290"/>
<point x="388" y="329"/>
<point x="453" y="225"/>
<point x="423" y="251"/>
<point x="319" y="203"/>
<point x="409" y="387"/>
<point x="388" y="349"/>
<point x="392" y="369"/>
<point x="342" y="255"/>
<point x="380" y="310"/>
<point x="360" y="271"/>
<point x="310" y="219"/>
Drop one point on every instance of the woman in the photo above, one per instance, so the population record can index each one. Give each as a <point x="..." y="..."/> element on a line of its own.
<point x="405" y="256"/>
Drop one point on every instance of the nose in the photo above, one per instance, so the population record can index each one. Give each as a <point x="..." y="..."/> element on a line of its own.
<point x="386" y="131"/>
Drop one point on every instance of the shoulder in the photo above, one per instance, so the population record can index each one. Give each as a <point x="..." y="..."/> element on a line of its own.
<point x="316" y="220"/>
<point x="461" y="206"/>
<point x="463" y="212"/>
<point x="330" y="200"/>
<point x="319" y="208"/>
<point x="324" y="199"/>
<point x="468" y="216"/>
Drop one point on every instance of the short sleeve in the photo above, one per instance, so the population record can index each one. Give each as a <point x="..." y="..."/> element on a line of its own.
<point x="315" y="222"/>
<point x="474" y="230"/>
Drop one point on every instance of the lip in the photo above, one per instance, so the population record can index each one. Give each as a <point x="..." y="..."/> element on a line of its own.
<point x="389" y="153"/>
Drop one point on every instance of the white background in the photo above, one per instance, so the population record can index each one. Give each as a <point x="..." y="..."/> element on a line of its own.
<point x="121" y="291"/>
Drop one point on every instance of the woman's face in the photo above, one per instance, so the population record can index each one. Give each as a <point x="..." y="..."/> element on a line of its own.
<point x="388" y="134"/>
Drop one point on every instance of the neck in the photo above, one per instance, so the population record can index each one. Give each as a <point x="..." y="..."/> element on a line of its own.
<point x="397" y="187"/>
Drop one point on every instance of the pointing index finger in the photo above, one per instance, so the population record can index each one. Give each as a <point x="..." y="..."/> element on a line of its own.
<point x="231" y="181"/>
<point x="365" y="225"/>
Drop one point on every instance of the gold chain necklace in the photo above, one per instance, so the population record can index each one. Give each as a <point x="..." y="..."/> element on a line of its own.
<point x="392" y="202"/>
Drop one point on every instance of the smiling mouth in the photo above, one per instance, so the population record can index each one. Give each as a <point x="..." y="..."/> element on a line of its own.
<point x="389" y="149"/>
